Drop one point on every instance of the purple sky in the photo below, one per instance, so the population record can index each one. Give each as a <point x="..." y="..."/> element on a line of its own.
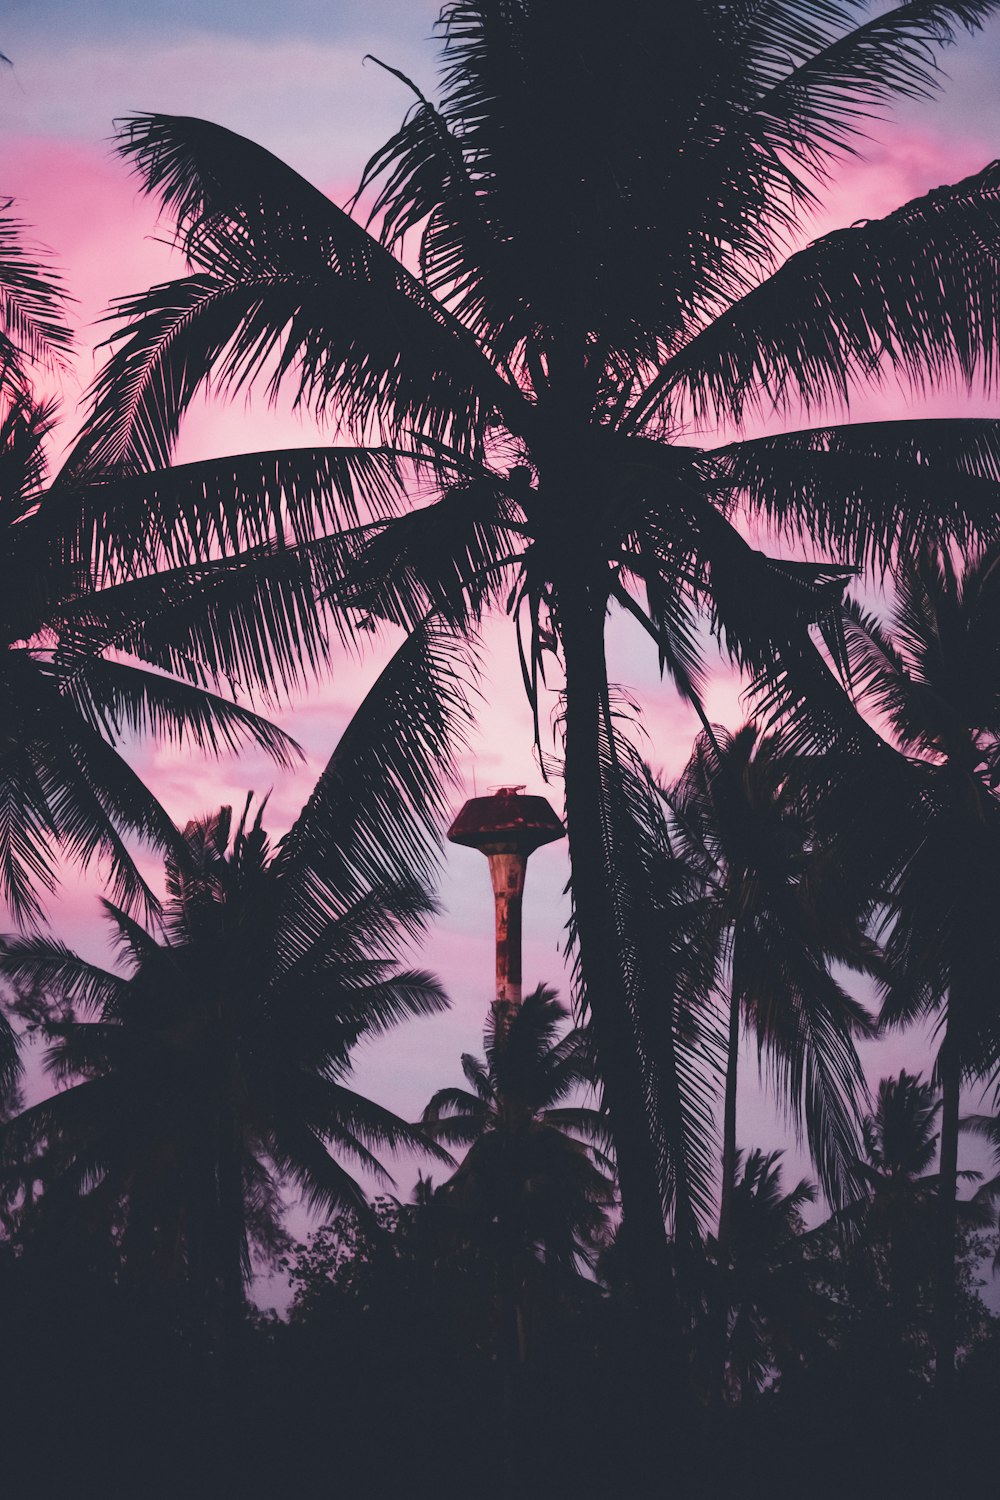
<point x="292" y="78"/>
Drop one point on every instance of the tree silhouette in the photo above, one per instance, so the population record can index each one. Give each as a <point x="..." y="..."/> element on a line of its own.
<point x="215" y="1069"/>
<point x="589" y="282"/>
<point x="535" y="1180"/>
<point x="738" y="818"/>
<point x="774" y="1311"/>
<point x="99" y="647"/>
<point x="895" y="1216"/>
<point x="531" y="1197"/>
<point x="931" y="677"/>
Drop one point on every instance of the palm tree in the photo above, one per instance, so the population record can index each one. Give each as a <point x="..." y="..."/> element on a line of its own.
<point x="535" y="1181"/>
<point x="602" y="215"/>
<point x="896" y="1210"/>
<point x="86" y="662"/>
<point x="773" y="1311"/>
<point x="987" y="1195"/>
<point x="931" y="677"/>
<point x="737" y="817"/>
<point x="531" y="1197"/>
<point x="215" y="1069"/>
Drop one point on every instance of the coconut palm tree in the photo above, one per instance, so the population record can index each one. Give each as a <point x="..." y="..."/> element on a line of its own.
<point x="535" y="1179"/>
<point x="215" y="1068"/>
<point x="774" y="1311"/>
<point x="87" y="662"/>
<point x="600" y="219"/>
<point x="738" y="818"/>
<point x="896" y="1210"/>
<point x="930" y="675"/>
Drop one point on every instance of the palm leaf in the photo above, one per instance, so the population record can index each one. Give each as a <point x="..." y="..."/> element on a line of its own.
<point x="376" y="813"/>
<point x="915" y="292"/>
<point x="32" y="304"/>
<point x="292" y="278"/>
<point x="872" y="490"/>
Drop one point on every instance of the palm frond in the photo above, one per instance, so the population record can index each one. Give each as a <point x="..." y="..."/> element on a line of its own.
<point x="115" y="696"/>
<point x="290" y="285"/>
<point x="32" y="304"/>
<point x="915" y="293"/>
<point x="194" y="512"/>
<point x="872" y="490"/>
<point x="44" y="964"/>
<point x="677" y="1038"/>
<point x="376" y="814"/>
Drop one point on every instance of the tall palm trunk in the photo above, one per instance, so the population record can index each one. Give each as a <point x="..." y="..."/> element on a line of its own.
<point x="581" y="620"/>
<point x="949" y="1064"/>
<point x="729" y="1127"/>
<point x="719" y="1329"/>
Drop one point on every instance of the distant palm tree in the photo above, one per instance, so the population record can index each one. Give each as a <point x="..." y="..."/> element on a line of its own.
<point x="215" y="1069"/>
<point x="738" y="819"/>
<point x="530" y="1200"/>
<point x="931" y="819"/>
<point x="890" y="1251"/>
<point x="592" y="286"/>
<point x="535" y="1180"/>
<point x="987" y="1195"/>
<point x="773" y="1309"/>
<point x="894" y="1218"/>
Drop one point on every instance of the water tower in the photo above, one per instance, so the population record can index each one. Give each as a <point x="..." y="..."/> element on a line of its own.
<point x="507" y="827"/>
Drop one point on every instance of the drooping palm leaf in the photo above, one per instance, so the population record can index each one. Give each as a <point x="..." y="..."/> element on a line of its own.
<point x="396" y="760"/>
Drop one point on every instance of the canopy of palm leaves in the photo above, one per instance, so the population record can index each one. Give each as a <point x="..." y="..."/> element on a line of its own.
<point x="535" y="1179"/>
<point x="215" y="1068"/>
<point x="895" y="1209"/>
<point x="890" y="1260"/>
<point x="929" y="824"/>
<point x="776" y="1313"/>
<point x="600" y="217"/>
<point x="930" y="676"/>
<point x="95" y="653"/>
<point x="987" y="1195"/>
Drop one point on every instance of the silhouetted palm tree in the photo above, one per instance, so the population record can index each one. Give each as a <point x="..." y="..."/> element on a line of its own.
<point x="535" y="1179"/>
<point x="774" y="1311"/>
<point x="895" y="1216"/>
<point x="532" y="1195"/>
<point x="932" y="675"/>
<point x="738" y="819"/>
<point x="215" y="1069"/>
<point x="987" y="1195"/>
<point x="86" y="662"/>
<point x="603" y="214"/>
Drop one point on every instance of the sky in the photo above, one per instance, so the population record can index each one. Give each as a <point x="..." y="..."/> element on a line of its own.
<point x="294" y="78"/>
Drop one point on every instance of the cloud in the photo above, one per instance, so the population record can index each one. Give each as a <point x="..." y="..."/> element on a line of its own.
<point x="314" y="103"/>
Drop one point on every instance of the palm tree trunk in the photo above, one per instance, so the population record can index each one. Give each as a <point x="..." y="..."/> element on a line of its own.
<point x="949" y="1064"/>
<point x="581" y="621"/>
<point x="729" y="1129"/>
<point x="719" y="1329"/>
